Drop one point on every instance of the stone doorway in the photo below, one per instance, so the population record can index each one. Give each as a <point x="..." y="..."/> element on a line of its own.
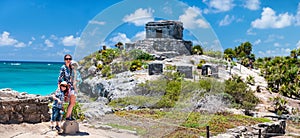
<point x="158" y="33"/>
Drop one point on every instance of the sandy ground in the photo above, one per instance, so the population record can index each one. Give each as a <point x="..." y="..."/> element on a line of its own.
<point x="42" y="130"/>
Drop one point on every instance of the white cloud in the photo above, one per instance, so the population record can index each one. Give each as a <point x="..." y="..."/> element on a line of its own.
<point x="250" y="32"/>
<point x="33" y="38"/>
<point x="258" y="41"/>
<point x="298" y="44"/>
<point x="219" y="5"/>
<point x="43" y="37"/>
<point x="139" y="36"/>
<point x="70" y="40"/>
<point x="297" y="17"/>
<point x="275" y="52"/>
<point x="6" y="40"/>
<point x="53" y="37"/>
<point x="276" y="44"/>
<point x="97" y="22"/>
<point x="272" y="38"/>
<point x="120" y="38"/>
<point x="29" y="43"/>
<point x="191" y="19"/>
<point x="49" y="43"/>
<point x="140" y="17"/>
<point x="63" y="52"/>
<point x="252" y="4"/>
<point x="21" y="44"/>
<point x="227" y="20"/>
<point x="269" y="19"/>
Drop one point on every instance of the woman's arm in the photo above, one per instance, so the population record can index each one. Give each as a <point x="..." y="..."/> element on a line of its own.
<point x="60" y="76"/>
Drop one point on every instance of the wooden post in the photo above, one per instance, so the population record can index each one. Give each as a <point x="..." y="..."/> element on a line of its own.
<point x="259" y="133"/>
<point x="207" y="131"/>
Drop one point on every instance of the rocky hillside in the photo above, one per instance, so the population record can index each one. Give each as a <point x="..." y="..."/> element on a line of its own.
<point x="102" y="90"/>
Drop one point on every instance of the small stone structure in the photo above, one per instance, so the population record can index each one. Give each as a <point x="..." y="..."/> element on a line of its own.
<point x="186" y="70"/>
<point x="155" y="68"/>
<point x="163" y="38"/>
<point x="21" y="107"/>
<point x="267" y="130"/>
<point x="209" y="70"/>
<point x="70" y="127"/>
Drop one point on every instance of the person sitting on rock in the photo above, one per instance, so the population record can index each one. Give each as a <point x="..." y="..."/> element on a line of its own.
<point x="57" y="108"/>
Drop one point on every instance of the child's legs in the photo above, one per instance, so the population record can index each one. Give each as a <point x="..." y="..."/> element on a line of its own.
<point x="56" y="116"/>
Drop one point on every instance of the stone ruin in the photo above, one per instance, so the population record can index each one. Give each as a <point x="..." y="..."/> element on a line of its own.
<point x="18" y="107"/>
<point x="164" y="39"/>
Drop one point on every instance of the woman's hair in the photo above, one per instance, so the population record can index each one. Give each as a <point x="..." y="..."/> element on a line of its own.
<point x="70" y="65"/>
<point x="67" y="55"/>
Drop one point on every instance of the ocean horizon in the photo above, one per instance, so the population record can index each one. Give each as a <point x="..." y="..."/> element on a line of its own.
<point x="33" y="77"/>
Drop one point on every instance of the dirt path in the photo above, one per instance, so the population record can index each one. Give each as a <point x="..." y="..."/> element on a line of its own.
<point x="42" y="130"/>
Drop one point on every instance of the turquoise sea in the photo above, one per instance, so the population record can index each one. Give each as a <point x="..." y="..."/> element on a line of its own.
<point x="31" y="77"/>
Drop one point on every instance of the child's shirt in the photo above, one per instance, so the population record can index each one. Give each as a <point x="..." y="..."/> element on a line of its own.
<point x="60" y="96"/>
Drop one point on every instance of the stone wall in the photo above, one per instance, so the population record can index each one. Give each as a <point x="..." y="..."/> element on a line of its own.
<point x="267" y="130"/>
<point x="164" y="29"/>
<point x="162" y="46"/>
<point x="21" y="107"/>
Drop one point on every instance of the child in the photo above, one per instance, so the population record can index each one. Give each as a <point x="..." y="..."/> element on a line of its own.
<point x="57" y="108"/>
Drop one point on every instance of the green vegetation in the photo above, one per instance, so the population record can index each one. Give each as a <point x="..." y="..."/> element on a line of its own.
<point x="77" y="113"/>
<point x="197" y="50"/>
<point x="194" y="124"/>
<point x="201" y="62"/>
<point x="242" y="53"/>
<point x="282" y="73"/>
<point x="213" y="53"/>
<point x="141" y="101"/>
<point x="279" y="105"/>
<point x="139" y="130"/>
<point x="243" y="97"/>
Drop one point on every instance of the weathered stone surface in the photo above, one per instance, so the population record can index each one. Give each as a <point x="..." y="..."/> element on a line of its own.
<point x="70" y="127"/>
<point x="21" y="107"/>
<point x="186" y="70"/>
<point x="267" y="130"/>
<point x="164" y="29"/>
<point x="155" y="68"/>
<point x="163" y="38"/>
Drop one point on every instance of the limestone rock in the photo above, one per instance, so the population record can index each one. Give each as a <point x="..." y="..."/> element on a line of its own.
<point x="70" y="127"/>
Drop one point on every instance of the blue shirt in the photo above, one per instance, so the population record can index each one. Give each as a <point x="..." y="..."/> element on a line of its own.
<point x="65" y="74"/>
<point x="60" y="95"/>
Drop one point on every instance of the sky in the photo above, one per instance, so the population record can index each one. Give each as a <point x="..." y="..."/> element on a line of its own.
<point x="46" y="30"/>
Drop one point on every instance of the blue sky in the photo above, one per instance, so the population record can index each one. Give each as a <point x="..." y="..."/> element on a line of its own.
<point x="45" y="30"/>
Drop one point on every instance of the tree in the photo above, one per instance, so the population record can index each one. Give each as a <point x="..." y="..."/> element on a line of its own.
<point x="197" y="49"/>
<point x="229" y="54"/>
<point x="119" y="45"/>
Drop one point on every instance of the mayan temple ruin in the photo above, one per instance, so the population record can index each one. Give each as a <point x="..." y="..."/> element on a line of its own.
<point x="163" y="38"/>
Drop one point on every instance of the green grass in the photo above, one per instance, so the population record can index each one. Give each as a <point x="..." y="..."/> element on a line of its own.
<point x="139" y="130"/>
<point x="194" y="124"/>
<point x="140" y="101"/>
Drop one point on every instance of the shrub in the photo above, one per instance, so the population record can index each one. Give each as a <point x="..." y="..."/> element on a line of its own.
<point x="136" y="65"/>
<point x="140" y="101"/>
<point x="106" y="71"/>
<point x="197" y="50"/>
<point x="99" y="66"/>
<point x="241" y="94"/>
<point x="77" y="113"/>
<point x="140" y="55"/>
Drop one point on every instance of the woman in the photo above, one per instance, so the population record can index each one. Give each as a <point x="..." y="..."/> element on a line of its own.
<point x="65" y="74"/>
<point x="57" y="107"/>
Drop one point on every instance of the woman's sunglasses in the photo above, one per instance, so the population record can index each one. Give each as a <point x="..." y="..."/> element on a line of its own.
<point x="68" y="58"/>
<point x="63" y="85"/>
